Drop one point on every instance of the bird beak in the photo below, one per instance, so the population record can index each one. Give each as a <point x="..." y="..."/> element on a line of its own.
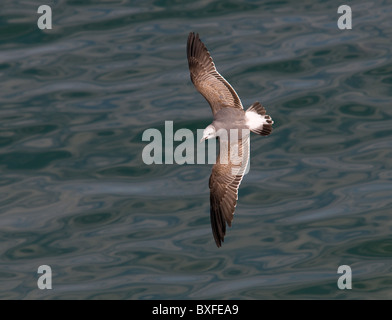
<point x="202" y="139"/>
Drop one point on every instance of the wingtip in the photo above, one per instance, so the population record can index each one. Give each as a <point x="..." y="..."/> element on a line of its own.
<point x="192" y="36"/>
<point x="218" y="236"/>
<point x="190" y="47"/>
<point x="195" y="45"/>
<point x="219" y="240"/>
<point x="218" y="223"/>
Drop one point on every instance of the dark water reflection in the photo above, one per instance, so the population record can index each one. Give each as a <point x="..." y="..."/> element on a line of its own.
<point x="76" y="195"/>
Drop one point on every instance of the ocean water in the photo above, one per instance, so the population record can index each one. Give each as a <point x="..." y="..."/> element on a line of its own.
<point x="76" y="195"/>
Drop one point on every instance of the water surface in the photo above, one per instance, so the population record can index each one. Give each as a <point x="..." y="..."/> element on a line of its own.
<point x="76" y="195"/>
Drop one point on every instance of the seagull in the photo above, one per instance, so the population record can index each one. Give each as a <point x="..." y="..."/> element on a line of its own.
<point x="229" y="116"/>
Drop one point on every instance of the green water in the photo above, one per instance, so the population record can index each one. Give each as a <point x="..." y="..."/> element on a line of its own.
<point x="76" y="195"/>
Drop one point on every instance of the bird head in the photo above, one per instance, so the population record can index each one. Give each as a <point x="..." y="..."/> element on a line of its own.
<point x="208" y="133"/>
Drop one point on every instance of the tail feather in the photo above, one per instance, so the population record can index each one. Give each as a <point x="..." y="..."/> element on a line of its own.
<point x="257" y="119"/>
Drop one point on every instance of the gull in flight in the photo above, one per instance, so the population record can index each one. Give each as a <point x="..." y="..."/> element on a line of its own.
<point x="232" y="125"/>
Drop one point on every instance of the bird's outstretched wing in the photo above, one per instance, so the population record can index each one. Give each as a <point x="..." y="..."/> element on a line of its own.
<point x="224" y="182"/>
<point x="207" y="80"/>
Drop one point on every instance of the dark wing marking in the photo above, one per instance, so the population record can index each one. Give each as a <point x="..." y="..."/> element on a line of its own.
<point x="207" y="80"/>
<point x="224" y="182"/>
